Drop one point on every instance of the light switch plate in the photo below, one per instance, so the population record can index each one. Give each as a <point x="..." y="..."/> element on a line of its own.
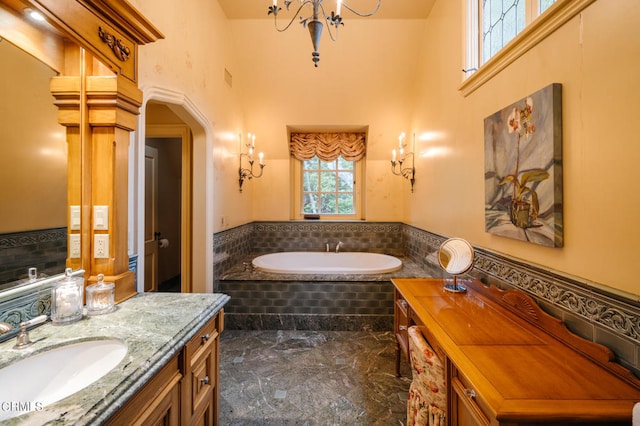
<point x="74" y="246"/>
<point x="101" y="218"/>
<point x="101" y="246"/>
<point x="74" y="218"/>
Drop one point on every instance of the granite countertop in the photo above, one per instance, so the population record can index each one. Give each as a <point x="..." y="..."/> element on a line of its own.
<point x="155" y="326"/>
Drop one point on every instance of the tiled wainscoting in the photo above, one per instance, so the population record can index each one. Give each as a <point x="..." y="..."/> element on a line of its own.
<point x="44" y="249"/>
<point x="588" y="309"/>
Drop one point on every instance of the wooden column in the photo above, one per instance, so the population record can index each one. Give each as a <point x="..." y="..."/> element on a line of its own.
<point x="113" y="103"/>
<point x="99" y="109"/>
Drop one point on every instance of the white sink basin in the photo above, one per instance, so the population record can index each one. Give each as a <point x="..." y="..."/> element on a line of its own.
<point x="39" y="380"/>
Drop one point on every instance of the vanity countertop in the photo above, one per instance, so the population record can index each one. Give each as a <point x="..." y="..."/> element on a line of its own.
<point x="155" y="326"/>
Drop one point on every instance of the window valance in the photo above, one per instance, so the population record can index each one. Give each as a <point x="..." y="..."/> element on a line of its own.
<point x="328" y="146"/>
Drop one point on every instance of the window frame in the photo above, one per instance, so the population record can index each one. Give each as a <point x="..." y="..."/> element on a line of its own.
<point x="297" y="190"/>
<point x="475" y="75"/>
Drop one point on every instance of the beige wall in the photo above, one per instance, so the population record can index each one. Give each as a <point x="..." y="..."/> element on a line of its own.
<point x="596" y="57"/>
<point x="33" y="161"/>
<point x="363" y="79"/>
<point x="398" y="76"/>
<point x="191" y="60"/>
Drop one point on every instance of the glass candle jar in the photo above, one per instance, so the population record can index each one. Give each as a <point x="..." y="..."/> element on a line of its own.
<point x="67" y="299"/>
<point x="100" y="297"/>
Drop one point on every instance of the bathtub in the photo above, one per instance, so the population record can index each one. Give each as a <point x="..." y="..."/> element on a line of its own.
<point x="303" y="262"/>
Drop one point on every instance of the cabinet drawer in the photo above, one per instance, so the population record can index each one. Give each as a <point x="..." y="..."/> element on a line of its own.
<point x="468" y="405"/>
<point x="206" y="334"/>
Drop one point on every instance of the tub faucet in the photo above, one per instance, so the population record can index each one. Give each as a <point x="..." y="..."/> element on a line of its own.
<point x="338" y="246"/>
<point x="326" y="247"/>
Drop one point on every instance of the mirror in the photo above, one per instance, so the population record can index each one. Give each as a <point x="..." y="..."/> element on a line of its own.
<point x="33" y="170"/>
<point x="455" y="256"/>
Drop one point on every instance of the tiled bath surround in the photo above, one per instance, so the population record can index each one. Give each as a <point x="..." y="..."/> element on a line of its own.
<point x="302" y="302"/>
<point x="45" y="249"/>
<point x="589" y="309"/>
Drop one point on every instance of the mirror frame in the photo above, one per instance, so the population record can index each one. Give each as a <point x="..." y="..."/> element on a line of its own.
<point x="469" y="253"/>
<point x="98" y="101"/>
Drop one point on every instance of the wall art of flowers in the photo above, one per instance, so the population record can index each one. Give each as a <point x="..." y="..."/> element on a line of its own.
<point x="523" y="169"/>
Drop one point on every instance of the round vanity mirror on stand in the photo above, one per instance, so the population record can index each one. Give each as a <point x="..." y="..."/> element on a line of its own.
<point x="455" y="256"/>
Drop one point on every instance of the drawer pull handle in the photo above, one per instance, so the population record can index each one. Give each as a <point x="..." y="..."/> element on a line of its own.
<point x="205" y="381"/>
<point x="402" y="327"/>
<point x="206" y="337"/>
<point x="470" y="393"/>
<point x="403" y="303"/>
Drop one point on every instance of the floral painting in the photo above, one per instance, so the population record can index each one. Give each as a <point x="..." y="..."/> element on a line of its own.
<point x="523" y="169"/>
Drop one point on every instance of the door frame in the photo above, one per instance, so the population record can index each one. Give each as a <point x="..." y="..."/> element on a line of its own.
<point x="151" y="245"/>
<point x="182" y="132"/>
<point x="203" y="192"/>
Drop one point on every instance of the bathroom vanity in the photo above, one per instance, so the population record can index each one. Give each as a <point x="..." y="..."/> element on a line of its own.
<point x="169" y="373"/>
<point x="509" y="363"/>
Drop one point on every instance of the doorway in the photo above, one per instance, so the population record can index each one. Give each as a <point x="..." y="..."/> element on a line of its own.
<point x="167" y="228"/>
<point x="197" y="229"/>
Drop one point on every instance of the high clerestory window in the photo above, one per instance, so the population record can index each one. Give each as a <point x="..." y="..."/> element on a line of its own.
<point x="502" y="20"/>
<point x="498" y="32"/>
<point x="327" y="171"/>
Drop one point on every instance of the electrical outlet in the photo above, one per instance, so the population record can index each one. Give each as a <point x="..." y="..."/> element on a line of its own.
<point x="74" y="216"/>
<point x="74" y="246"/>
<point x="101" y="246"/>
<point x="101" y="218"/>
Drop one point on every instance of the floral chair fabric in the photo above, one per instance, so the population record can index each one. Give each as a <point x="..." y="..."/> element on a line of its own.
<point x="427" y="402"/>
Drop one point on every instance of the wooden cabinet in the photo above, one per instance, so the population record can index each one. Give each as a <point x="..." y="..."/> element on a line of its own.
<point x="185" y="391"/>
<point x="157" y="402"/>
<point x="509" y="363"/>
<point x="400" y="326"/>
<point x="201" y="375"/>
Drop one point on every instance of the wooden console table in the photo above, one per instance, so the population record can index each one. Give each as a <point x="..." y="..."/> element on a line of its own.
<point x="509" y="363"/>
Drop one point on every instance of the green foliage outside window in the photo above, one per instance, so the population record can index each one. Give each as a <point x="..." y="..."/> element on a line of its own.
<point x="328" y="187"/>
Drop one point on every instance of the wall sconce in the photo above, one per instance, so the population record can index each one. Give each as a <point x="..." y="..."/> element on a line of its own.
<point x="397" y="166"/>
<point x="247" y="173"/>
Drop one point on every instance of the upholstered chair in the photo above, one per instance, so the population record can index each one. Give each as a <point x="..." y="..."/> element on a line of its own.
<point x="427" y="402"/>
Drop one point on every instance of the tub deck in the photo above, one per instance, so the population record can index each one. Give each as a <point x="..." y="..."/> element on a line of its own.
<point x="243" y="271"/>
<point x="345" y="302"/>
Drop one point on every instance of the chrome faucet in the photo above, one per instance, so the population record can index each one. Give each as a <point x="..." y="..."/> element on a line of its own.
<point x="340" y="243"/>
<point x="23" y="340"/>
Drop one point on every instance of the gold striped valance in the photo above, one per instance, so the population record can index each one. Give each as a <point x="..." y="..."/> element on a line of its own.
<point x="328" y="146"/>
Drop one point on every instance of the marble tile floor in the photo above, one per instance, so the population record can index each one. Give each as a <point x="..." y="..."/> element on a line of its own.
<point x="288" y="377"/>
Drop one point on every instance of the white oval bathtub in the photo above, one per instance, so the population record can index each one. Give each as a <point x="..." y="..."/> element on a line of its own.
<point x="304" y="262"/>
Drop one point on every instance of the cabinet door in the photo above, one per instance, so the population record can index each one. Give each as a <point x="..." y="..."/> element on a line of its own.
<point x="165" y="411"/>
<point x="157" y="402"/>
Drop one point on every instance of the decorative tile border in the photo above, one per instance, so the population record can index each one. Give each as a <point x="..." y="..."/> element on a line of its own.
<point x="328" y="227"/>
<point x="20" y="239"/>
<point x="579" y="298"/>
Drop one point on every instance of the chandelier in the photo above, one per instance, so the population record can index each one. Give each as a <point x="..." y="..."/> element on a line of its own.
<point x="314" y="23"/>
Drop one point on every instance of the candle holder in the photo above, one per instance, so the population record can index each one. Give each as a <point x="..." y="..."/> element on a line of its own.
<point x="314" y="22"/>
<point x="397" y="166"/>
<point x="246" y="173"/>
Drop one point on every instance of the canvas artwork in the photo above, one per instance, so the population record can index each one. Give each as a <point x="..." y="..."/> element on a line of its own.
<point x="523" y="169"/>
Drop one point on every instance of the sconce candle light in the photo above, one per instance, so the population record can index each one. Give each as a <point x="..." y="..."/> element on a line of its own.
<point x="397" y="167"/>
<point x="247" y="173"/>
